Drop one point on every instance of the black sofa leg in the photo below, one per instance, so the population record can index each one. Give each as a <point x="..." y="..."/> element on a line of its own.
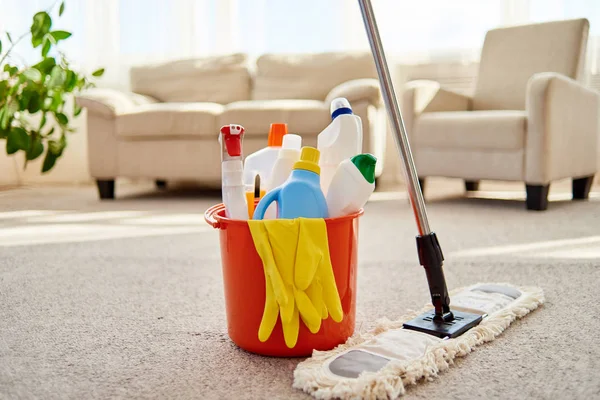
<point x="537" y="197"/>
<point x="160" y="184"/>
<point x="581" y="187"/>
<point x="106" y="188"/>
<point x="422" y="184"/>
<point x="471" y="186"/>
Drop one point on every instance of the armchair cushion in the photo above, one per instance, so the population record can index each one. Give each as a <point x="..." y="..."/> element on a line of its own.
<point x="304" y="117"/>
<point x="357" y="90"/>
<point x="170" y="120"/>
<point x="108" y="103"/>
<point x="474" y="130"/>
<point x="428" y="96"/>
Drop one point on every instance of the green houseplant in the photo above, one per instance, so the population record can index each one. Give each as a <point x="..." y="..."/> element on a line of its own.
<point x="33" y="98"/>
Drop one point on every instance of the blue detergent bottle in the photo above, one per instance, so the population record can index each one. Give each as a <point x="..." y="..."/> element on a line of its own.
<point x="300" y="195"/>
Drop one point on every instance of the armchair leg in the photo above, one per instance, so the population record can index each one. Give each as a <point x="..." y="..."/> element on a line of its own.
<point x="581" y="187"/>
<point x="106" y="188"/>
<point x="471" y="186"/>
<point x="160" y="184"/>
<point x="537" y="197"/>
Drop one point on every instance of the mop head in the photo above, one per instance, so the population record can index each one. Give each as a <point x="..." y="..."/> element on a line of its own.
<point x="380" y="364"/>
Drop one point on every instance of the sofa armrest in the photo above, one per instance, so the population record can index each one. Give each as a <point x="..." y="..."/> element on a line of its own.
<point x="109" y="103"/>
<point x="562" y="129"/>
<point x="357" y="90"/>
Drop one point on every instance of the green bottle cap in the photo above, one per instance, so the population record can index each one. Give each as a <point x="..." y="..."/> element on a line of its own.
<point x="366" y="165"/>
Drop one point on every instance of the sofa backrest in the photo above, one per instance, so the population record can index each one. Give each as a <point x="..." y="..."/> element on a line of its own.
<point x="308" y="76"/>
<point x="511" y="56"/>
<point x="220" y="79"/>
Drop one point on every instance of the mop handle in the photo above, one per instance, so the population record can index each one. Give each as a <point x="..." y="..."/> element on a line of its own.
<point x="391" y="104"/>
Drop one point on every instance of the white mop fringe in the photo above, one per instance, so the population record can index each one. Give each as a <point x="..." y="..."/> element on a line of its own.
<point x="390" y="382"/>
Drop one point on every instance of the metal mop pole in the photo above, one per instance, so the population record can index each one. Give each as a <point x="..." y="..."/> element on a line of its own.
<point x="430" y="253"/>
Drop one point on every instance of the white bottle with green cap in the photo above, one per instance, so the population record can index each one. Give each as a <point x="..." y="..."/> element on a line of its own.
<point x="352" y="185"/>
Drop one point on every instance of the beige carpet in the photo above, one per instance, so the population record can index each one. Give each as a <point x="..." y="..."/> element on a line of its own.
<point x="124" y="299"/>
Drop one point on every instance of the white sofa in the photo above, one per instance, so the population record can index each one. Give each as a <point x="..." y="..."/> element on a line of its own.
<point x="530" y="118"/>
<point x="167" y="127"/>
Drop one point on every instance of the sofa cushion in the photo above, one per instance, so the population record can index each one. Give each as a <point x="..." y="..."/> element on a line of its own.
<point x="308" y="76"/>
<point x="480" y="130"/>
<point x="221" y="79"/>
<point x="304" y="117"/>
<point x="168" y="120"/>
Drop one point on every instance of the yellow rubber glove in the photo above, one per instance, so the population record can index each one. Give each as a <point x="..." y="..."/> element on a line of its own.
<point x="317" y="271"/>
<point x="299" y="279"/>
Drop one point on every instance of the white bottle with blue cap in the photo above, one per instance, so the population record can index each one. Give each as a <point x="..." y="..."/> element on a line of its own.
<point x="341" y="140"/>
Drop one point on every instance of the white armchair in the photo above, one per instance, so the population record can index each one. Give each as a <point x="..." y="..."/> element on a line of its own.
<point x="530" y="119"/>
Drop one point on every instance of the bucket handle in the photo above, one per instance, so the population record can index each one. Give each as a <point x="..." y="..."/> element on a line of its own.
<point x="209" y="216"/>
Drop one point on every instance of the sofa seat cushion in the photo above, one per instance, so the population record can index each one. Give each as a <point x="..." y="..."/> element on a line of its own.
<point x="477" y="130"/>
<point x="169" y="120"/>
<point x="304" y="117"/>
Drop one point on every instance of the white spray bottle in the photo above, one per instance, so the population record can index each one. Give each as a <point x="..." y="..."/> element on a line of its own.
<point x="232" y="170"/>
<point x="340" y="140"/>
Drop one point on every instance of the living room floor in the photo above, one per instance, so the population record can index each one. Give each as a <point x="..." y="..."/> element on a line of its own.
<point x="125" y="298"/>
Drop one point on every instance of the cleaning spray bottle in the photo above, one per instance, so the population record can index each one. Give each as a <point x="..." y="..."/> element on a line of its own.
<point x="261" y="163"/>
<point x="234" y="199"/>
<point x="352" y="185"/>
<point x="340" y="140"/>
<point x="282" y="169"/>
<point x="300" y="195"/>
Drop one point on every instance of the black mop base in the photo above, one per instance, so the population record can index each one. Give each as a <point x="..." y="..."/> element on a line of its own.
<point x="461" y="323"/>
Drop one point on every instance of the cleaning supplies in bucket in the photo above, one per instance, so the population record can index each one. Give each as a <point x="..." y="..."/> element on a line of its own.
<point x="230" y="138"/>
<point x="352" y="185"/>
<point x="340" y="140"/>
<point x="299" y="279"/>
<point x="300" y="195"/>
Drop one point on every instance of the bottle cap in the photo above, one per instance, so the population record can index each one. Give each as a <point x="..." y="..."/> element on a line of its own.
<point x="340" y="106"/>
<point x="291" y="141"/>
<point x="366" y="165"/>
<point x="309" y="160"/>
<point x="276" y="133"/>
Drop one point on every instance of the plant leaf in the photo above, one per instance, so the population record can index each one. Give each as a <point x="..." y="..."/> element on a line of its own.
<point x="57" y="76"/>
<point x="36" y="149"/>
<point x="98" y="72"/>
<point x="17" y="139"/>
<point x="3" y="87"/>
<point x="76" y="109"/>
<point x="40" y="26"/>
<point x="49" y="160"/>
<point x="33" y="75"/>
<point x="61" y="118"/>
<point x="70" y="81"/>
<point x="34" y="103"/>
<point x="60" y="35"/>
<point x="46" y="47"/>
<point x="9" y="37"/>
<point x="61" y="10"/>
<point x="0" y="46"/>
<point x="45" y="66"/>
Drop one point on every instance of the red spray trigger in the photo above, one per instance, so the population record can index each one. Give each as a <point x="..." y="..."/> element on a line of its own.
<point x="232" y="135"/>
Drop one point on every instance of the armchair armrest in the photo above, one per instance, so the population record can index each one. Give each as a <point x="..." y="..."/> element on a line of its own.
<point x="429" y="96"/>
<point x="109" y="103"/>
<point x="562" y="129"/>
<point x="357" y="90"/>
<point x="422" y="96"/>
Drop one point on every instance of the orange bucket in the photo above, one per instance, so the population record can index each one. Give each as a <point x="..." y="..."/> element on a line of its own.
<point x="244" y="282"/>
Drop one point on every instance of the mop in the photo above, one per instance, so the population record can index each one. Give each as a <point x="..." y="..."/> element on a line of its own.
<point x="380" y="364"/>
